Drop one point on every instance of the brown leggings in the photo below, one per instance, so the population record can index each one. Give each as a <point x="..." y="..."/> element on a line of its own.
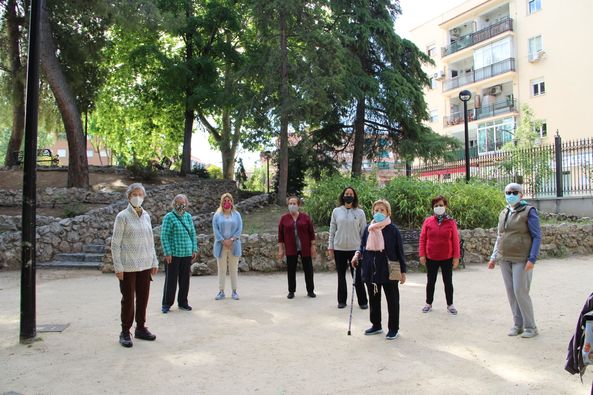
<point x="134" y="284"/>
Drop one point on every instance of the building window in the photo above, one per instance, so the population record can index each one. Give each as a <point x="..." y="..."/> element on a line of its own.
<point x="433" y="83"/>
<point x="493" y="135"/>
<point x="62" y="153"/>
<point x="542" y="131"/>
<point x="431" y="50"/>
<point x="90" y="153"/>
<point x="535" y="47"/>
<point x="534" y="6"/>
<point x="538" y="87"/>
<point x="103" y="153"/>
<point x="434" y="116"/>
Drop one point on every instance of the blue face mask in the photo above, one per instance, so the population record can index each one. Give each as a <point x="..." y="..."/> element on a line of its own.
<point x="378" y="217"/>
<point x="512" y="199"/>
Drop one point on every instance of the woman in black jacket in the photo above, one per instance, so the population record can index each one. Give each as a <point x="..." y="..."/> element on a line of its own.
<point x="381" y="243"/>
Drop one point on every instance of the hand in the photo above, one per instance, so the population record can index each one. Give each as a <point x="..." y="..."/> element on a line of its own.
<point x="227" y="243"/>
<point x="491" y="264"/>
<point x="313" y="252"/>
<point x="403" y="280"/>
<point x="120" y="276"/>
<point x="280" y="255"/>
<point x="423" y="260"/>
<point x="168" y="259"/>
<point x="529" y="266"/>
<point x="354" y="261"/>
<point x="330" y="253"/>
<point x="154" y="271"/>
<point x="455" y="263"/>
<point x="194" y="256"/>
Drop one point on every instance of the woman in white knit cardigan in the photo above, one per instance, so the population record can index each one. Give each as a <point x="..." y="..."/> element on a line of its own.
<point x="134" y="262"/>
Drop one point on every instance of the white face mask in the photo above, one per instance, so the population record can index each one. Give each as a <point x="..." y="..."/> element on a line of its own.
<point x="439" y="210"/>
<point x="293" y="208"/>
<point x="136" y="201"/>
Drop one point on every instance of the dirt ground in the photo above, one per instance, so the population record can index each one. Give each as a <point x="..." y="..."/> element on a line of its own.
<point x="267" y="344"/>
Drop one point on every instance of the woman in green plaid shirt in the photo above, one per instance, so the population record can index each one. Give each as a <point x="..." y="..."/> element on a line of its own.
<point x="180" y="246"/>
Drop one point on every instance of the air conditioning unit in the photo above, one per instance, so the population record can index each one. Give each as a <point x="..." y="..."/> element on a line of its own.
<point x="536" y="56"/>
<point x="439" y="75"/>
<point x="495" y="90"/>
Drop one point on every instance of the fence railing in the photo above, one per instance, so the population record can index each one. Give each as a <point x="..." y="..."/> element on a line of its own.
<point x="481" y="35"/>
<point x="480" y="74"/>
<point x="560" y="169"/>
<point x="498" y="108"/>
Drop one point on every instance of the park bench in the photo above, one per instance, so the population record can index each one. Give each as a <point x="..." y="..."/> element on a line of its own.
<point x="44" y="157"/>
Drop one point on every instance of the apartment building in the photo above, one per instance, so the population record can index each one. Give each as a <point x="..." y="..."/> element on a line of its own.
<point x="508" y="53"/>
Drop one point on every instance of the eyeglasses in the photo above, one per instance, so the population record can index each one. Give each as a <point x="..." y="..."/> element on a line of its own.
<point x="512" y="192"/>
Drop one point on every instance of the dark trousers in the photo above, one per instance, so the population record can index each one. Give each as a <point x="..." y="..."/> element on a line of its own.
<point x="432" y="271"/>
<point x="291" y="263"/>
<point x="343" y="259"/>
<point x="178" y="269"/>
<point x="134" y="285"/>
<point x="392" y="295"/>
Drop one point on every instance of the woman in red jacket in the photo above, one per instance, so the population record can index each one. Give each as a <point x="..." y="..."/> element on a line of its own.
<point x="296" y="236"/>
<point x="439" y="248"/>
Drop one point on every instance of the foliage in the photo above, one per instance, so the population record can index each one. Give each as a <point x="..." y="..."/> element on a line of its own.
<point x="73" y="209"/>
<point x="200" y="170"/>
<point x="142" y="172"/>
<point x="215" y="172"/>
<point x="257" y="181"/>
<point x="298" y="162"/>
<point x="240" y="174"/>
<point x="473" y="205"/>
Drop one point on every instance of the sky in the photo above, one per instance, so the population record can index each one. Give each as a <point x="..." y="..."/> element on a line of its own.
<point x="414" y="13"/>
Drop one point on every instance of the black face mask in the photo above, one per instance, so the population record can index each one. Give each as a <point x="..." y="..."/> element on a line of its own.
<point x="348" y="199"/>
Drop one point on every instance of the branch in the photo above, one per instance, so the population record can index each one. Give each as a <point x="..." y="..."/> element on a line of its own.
<point x="213" y="131"/>
<point x="380" y="125"/>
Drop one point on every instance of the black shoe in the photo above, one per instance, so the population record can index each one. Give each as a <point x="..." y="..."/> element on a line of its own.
<point x="364" y="306"/>
<point x="341" y="305"/>
<point x="144" y="334"/>
<point x="311" y="294"/>
<point x="125" y="340"/>
<point x="373" y="331"/>
<point x="185" y="307"/>
<point x="290" y="295"/>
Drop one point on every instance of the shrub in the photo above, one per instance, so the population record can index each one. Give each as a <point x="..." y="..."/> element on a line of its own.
<point x="140" y="172"/>
<point x="199" y="170"/>
<point x="74" y="209"/>
<point x="215" y="172"/>
<point x="473" y="205"/>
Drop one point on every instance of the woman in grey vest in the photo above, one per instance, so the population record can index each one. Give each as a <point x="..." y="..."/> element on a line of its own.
<point x="517" y="246"/>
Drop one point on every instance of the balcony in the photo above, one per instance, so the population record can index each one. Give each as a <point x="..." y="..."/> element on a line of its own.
<point x="473" y="114"/>
<point x="477" y="37"/>
<point x="480" y="74"/>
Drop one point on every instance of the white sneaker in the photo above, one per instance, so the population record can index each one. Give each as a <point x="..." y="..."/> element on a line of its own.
<point x="220" y="295"/>
<point x="529" y="333"/>
<point x="515" y="331"/>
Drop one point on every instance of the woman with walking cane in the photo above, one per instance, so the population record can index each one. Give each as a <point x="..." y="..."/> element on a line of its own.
<point x="383" y="265"/>
<point x="345" y="230"/>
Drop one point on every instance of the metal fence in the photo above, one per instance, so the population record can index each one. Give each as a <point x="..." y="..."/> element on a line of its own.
<point x="560" y="169"/>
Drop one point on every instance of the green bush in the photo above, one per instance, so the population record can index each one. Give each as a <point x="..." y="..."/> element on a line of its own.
<point x="73" y="209"/>
<point x="473" y="205"/>
<point x="140" y="172"/>
<point x="215" y="172"/>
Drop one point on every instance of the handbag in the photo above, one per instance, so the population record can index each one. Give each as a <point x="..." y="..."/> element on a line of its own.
<point x="395" y="273"/>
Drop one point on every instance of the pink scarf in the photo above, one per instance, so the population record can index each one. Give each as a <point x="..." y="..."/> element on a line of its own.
<point x="375" y="240"/>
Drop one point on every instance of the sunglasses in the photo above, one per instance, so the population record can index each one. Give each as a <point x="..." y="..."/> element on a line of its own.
<point x="512" y="192"/>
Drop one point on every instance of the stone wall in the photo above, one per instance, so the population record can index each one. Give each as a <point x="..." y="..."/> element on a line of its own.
<point x="259" y="250"/>
<point x="50" y="197"/>
<point x="95" y="226"/>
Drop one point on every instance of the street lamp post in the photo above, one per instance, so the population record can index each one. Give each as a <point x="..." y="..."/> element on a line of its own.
<point x="464" y="96"/>
<point x="268" y="155"/>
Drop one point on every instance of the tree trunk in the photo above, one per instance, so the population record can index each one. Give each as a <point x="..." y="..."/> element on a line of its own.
<point x="357" y="155"/>
<point x="78" y="170"/>
<point x="17" y="85"/>
<point x="189" y="112"/>
<point x="283" y="151"/>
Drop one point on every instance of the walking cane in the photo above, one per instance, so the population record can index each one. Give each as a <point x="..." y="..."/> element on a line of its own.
<point x="351" y="301"/>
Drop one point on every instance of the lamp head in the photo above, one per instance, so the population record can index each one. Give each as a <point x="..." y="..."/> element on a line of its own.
<point x="465" y="95"/>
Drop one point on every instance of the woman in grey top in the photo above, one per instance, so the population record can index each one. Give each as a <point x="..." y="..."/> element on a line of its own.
<point x="345" y="231"/>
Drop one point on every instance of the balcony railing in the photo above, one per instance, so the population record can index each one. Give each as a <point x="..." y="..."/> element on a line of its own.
<point x="480" y="74"/>
<point x="481" y="35"/>
<point x="498" y="108"/>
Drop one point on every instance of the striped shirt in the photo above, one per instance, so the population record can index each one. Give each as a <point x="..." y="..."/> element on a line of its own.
<point x="132" y="243"/>
<point x="178" y="235"/>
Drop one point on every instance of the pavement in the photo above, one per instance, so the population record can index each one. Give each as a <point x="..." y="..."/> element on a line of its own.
<point x="267" y="344"/>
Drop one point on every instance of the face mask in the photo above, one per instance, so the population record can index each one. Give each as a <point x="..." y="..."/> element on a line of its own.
<point x="227" y="205"/>
<point x="378" y="217"/>
<point x="136" y="201"/>
<point x="348" y="199"/>
<point x="293" y="208"/>
<point x="180" y="207"/>
<point x="512" y="199"/>
<point x="439" y="210"/>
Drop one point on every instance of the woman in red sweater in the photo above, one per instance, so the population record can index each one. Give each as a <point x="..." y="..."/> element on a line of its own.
<point x="439" y="248"/>
<point x="296" y="236"/>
